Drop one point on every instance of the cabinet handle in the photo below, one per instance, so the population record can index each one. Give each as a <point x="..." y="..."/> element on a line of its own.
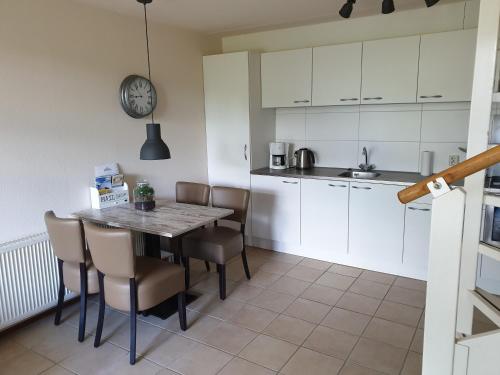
<point x="362" y="187"/>
<point x="341" y="186"/>
<point x="290" y="182"/>
<point x="419" y="209"/>
<point x="431" y="96"/>
<point x="245" y="152"/>
<point x="374" y="98"/>
<point x="348" y="99"/>
<point x="301" y="101"/>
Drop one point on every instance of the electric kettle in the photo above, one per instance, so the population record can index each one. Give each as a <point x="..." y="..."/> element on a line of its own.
<point x="304" y="158"/>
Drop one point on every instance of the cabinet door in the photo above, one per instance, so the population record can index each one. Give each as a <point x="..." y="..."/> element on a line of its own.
<point x="446" y="66"/>
<point x="376" y="226"/>
<point x="276" y="209"/>
<point x="416" y="240"/>
<point x="286" y="78"/>
<point x="390" y="70"/>
<point x="324" y="219"/>
<point x="336" y="74"/>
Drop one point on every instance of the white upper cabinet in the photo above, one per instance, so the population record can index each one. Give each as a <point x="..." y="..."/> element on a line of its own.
<point x="286" y="78"/>
<point x="337" y="74"/>
<point x="446" y="66"/>
<point x="390" y="69"/>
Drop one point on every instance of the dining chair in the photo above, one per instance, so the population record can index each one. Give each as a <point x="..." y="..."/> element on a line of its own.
<point x="76" y="270"/>
<point x="219" y="244"/>
<point x="129" y="283"/>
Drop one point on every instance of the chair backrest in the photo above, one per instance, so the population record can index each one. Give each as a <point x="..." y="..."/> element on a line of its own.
<point x="192" y="193"/>
<point x="233" y="198"/>
<point x="112" y="250"/>
<point x="66" y="236"/>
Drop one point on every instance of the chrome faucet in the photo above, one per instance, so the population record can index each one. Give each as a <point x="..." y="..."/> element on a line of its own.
<point x="366" y="167"/>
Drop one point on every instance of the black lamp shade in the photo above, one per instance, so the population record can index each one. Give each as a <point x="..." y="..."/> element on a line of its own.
<point x="430" y="3"/>
<point x="346" y="9"/>
<point x="387" y="6"/>
<point x="154" y="148"/>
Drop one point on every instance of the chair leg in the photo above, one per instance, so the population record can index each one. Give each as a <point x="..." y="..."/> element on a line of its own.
<point x="185" y="262"/>
<point x="133" y="320"/>
<point x="222" y="281"/>
<point x="207" y="266"/>
<point x="83" y="302"/>
<point x="60" y="296"/>
<point x="102" y="304"/>
<point x="181" y="307"/>
<point x="245" y="263"/>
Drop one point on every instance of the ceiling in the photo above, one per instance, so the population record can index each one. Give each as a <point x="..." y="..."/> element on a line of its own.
<point x="236" y="16"/>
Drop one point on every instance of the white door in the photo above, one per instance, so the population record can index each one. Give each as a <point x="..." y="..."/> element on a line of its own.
<point x="446" y="66"/>
<point x="276" y="209"/>
<point x="416" y="240"/>
<point x="324" y="219"/>
<point x="376" y="226"/>
<point x="286" y="78"/>
<point x="227" y="119"/>
<point x="337" y="74"/>
<point x="390" y="70"/>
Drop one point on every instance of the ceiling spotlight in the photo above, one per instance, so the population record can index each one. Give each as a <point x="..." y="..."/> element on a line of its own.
<point x="346" y="9"/>
<point x="430" y="3"/>
<point x="387" y="6"/>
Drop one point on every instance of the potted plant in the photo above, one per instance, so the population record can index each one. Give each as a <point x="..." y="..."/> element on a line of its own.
<point x="144" y="196"/>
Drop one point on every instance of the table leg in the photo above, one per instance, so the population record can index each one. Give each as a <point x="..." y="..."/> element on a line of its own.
<point x="152" y="245"/>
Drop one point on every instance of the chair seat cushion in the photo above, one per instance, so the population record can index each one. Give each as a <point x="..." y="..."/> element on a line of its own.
<point x="71" y="275"/>
<point x="213" y="244"/>
<point x="156" y="281"/>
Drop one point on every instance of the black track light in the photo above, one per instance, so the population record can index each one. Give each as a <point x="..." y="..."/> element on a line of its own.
<point x="387" y="6"/>
<point x="430" y="3"/>
<point x="346" y="9"/>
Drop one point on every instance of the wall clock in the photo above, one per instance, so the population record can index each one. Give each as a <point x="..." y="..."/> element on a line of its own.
<point x="137" y="96"/>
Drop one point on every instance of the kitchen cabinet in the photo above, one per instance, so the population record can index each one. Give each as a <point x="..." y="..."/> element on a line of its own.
<point x="324" y="219"/>
<point x="389" y="70"/>
<point x="337" y="74"/>
<point x="446" y="66"/>
<point x="416" y="240"/>
<point x="376" y="226"/>
<point x="276" y="211"/>
<point x="286" y="78"/>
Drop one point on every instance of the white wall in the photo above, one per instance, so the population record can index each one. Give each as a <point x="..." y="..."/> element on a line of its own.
<point x="394" y="135"/>
<point x="61" y="65"/>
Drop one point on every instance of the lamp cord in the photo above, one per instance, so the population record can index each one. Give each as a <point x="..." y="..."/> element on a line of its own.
<point x="149" y="62"/>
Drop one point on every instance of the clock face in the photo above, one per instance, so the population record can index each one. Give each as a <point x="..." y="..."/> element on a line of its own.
<point x="138" y="96"/>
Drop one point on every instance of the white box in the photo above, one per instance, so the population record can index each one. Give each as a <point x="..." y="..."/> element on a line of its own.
<point x="116" y="197"/>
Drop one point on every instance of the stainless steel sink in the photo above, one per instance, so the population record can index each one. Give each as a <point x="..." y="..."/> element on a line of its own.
<point x="359" y="174"/>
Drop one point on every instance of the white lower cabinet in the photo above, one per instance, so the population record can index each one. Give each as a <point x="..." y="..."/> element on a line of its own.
<point x="416" y="240"/>
<point x="376" y="227"/>
<point x="324" y="219"/>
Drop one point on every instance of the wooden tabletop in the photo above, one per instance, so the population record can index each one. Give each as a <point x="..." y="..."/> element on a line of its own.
<point x="168" y="219"/>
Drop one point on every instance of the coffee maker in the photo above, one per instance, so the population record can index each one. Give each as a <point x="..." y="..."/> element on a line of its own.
<point x="278" y="155"/>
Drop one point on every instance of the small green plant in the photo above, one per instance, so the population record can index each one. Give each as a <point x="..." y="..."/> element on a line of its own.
<point x="144" y="191"/>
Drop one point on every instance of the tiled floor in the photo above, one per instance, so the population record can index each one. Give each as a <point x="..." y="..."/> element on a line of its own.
<point x="296" y="316"/>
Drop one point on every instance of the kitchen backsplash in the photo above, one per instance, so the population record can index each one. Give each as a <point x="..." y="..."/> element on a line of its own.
<point x="394" y="134"/>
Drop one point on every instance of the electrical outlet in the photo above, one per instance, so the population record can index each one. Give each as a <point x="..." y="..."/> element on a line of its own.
<point x="453" y="160"/>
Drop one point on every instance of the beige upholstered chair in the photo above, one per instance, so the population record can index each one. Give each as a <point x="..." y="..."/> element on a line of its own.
<point x="219" y="244"/>
<point x="76" y="271"/>
<point x="131" y="283"/>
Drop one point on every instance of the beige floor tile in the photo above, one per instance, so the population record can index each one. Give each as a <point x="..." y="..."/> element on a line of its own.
<point x="369" y="288"/>
<point x="268" y="352"/>
<point x="345" y="270"/>
<point x="334" y="280"/>
<point x="245" y="292"/>
<point x="148" y="337"/>
<point x="141" y="367"/>
<point x="404" y="282"/>
<point x="378" y="277"/>
<point x="200" y="360"/>
<point x="304" y="273"/>
<point x="210" y="284"/>
<point x="310" y="311"/>
<point x="166" y="371"/>
<point x="235" y="270"/>
<point x="359" y="303"/>
<point x="239" y="366"/>
<point x="396" y="312"/>
<point x="351" y="368"/>
<point x="273" y="301"/>
<point x="316" y="264"/>
<point x="306" y="361"/>
<point x="284" y="257"/>
<point x="289" y="329"/>
<point x="35" y="332"/>
<point x="57" y="370"/>
<point x="10" y="349"/>
<point x="389" y="332"/>
<point x="417" y="345"/>
<point x="323" y="294"/>
<point x="202" y="301"/>
<point x="224" y="310"/>
<point x="263" y="279"/>
<point x="200" y="327"/>
<point x="347" y="321"/>
<point x="27" y="363"/>
<point x="378" y="356"/>
<point x="290" y="285"/>
<point x="331" y="342"/>
<point x="172" y="322"/>
<point x="277" y="267"/>
<point x="413" y="364"/>
<point x="421" y="323"/>
<point x="172" y="346"/>
<point x="405" y="296"/>
<point x="254" y="318"/>
<point x="229" y="338"/>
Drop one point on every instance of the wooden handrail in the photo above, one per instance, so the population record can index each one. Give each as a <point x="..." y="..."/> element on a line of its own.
<point x="456" y="173"/>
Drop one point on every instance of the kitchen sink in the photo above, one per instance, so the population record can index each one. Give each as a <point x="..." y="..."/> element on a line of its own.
<point x="359" y="174"/>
